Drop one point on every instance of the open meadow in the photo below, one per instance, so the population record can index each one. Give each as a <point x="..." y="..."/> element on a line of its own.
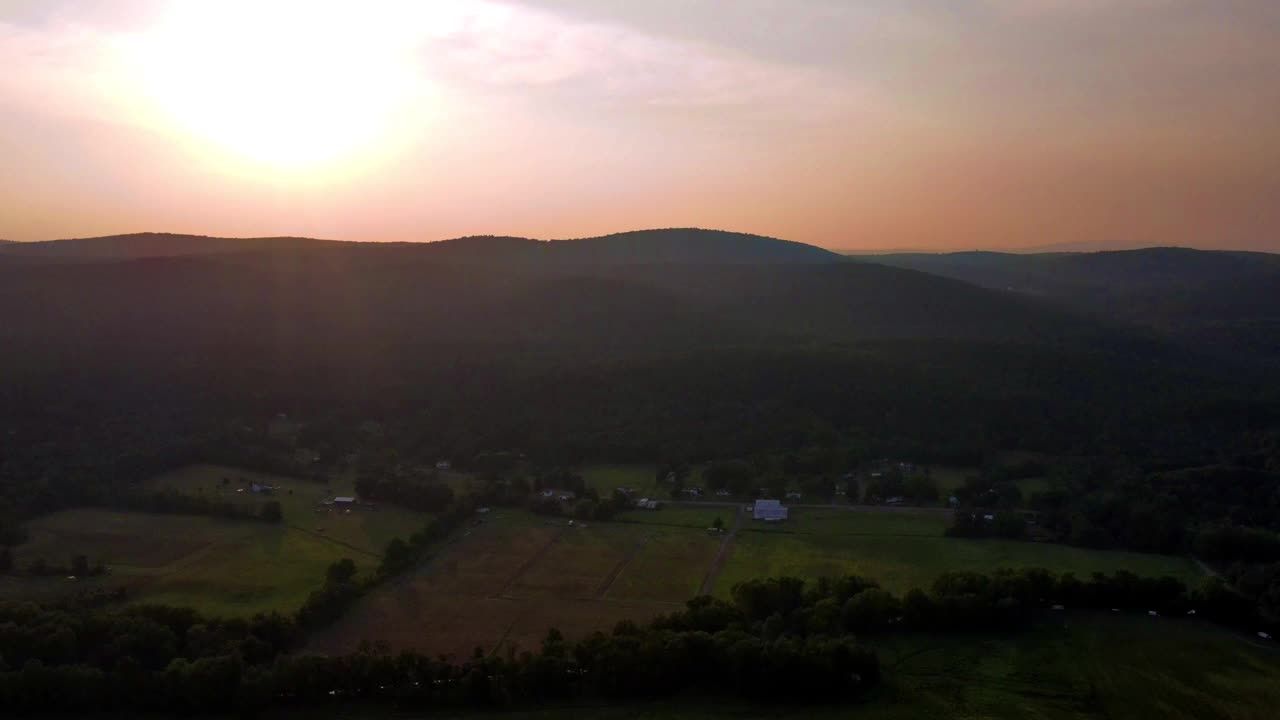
<point x="226" y="567"/>
<point x="904" y="549"/>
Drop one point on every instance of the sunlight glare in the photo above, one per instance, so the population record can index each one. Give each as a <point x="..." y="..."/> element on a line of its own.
<point x="288" y="85"/>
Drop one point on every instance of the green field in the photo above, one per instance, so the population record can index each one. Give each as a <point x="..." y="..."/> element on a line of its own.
<point x="363" y="529"/>
<point x="902" y="555"/>
<point x="930" y="522"/>
<point x="218" y="566"/>
<point x="690" y="516"/>
<point x="605" y="478"/>
<point x="670" y="568"/>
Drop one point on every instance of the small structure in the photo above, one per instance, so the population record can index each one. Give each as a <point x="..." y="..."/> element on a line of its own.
<point x="443" y="465"/>
<point x="794" y="495"/>
<point x="769" y="511"/>
<point x="344" y="500"/>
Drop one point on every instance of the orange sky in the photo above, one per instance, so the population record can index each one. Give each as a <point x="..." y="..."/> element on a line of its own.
<point x="930" y="124"/>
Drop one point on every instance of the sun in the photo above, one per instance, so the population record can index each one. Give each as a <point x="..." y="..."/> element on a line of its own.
<point x="285" y="85"/>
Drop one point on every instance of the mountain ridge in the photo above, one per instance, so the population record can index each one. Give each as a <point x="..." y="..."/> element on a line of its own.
<point x="666" y="245"/>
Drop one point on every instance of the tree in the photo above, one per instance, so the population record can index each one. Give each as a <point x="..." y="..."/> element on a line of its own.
<point x="398" y="556"/>
<point x="271" y="511"/>
<point x="718" y="523"/>
<point x="340" y="572"/>
<point x="80" y="566"/>
<point x="6" y="560"/>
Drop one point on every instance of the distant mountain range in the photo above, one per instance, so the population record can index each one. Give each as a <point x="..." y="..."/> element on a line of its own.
<point x="1221" y="301"/>
<point x="640" y="247"/>
<point x="639" y="339"/>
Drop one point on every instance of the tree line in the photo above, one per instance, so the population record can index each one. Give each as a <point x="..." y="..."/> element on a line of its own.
<point x="775" y="639"/>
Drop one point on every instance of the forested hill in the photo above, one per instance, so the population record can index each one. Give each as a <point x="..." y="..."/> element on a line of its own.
<point x="1224" y="302"/>
<point x="1066" y="274"/>
<point x="146" y="245"/>
<point x="678" y="245"/>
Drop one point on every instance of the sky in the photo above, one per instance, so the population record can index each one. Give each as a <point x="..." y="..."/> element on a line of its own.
<point x="851" y="124"/>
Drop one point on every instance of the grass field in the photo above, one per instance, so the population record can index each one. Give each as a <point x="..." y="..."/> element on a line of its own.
<point x="902" y="553"/>
<point x="218" y="566"/>
<point x="929" y="522"/>
<point x="670" y="568"/>
<point x="690" y="516"/>
<point x="365" y="530"/>
<point x="605" y="478"/>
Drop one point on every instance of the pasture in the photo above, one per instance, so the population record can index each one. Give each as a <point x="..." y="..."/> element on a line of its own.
<point x="364" y="530"/>
<point x="220" y="567"/>
<point x="904" y="550"/>
<point x="225" y="567"/>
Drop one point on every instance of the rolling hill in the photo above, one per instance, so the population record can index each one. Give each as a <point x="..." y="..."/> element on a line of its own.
<point x="680" y="245"/>
<point x="1225" y="302"/>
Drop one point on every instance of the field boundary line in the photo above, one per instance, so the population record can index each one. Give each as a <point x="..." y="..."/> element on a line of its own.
<point x="335" y="541"/>
<point x="528" y="564"/>
<point x="621" y="565"/>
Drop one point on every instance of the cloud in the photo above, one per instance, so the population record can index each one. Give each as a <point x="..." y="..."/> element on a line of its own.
<point x="505" y="46"/>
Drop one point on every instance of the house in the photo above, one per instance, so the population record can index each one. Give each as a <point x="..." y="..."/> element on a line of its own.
<point x="443" y="465"/>
<point x="793" y="495"/>
<point x="723" y="493"/>
<point x="769" y="511"/>
<point x="895" y="500"/>
<point x="344" y="500"/>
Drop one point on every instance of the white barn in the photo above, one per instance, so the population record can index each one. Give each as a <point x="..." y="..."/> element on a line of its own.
<point x="769" y="511"/>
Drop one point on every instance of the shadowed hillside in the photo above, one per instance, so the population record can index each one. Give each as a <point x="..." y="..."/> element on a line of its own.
<point x="1226" y="302"/>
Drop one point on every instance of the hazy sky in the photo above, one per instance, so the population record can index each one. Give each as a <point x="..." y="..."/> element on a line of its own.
<point x="947" y="124"/>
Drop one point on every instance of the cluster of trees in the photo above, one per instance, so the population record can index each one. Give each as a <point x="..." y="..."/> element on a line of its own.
<point x="970" y="523"/>
<point x="172" y="501"/>
<point x="957" y="601"/>
<point x="1250" y="559"/>
<point x="915" y="487"/>
<point x="342" y="587"/>
<point x="79" y="566"/>
<point x="1117" y="503"/>
<point x="407" y="492"/>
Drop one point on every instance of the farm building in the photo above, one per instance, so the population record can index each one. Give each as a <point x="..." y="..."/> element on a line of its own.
<point x="344" y="500"/>
<point x="769" y="511"/>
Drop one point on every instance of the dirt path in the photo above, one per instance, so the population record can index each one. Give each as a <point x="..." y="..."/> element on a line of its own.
<point x="622" y="565"/>
<point x="524" y="567"/>
<point x="1204" y="567"/>
<point x="722" y="555"/>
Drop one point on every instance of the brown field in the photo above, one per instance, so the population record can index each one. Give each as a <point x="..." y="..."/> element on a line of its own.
<point x="507" y="581"/>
